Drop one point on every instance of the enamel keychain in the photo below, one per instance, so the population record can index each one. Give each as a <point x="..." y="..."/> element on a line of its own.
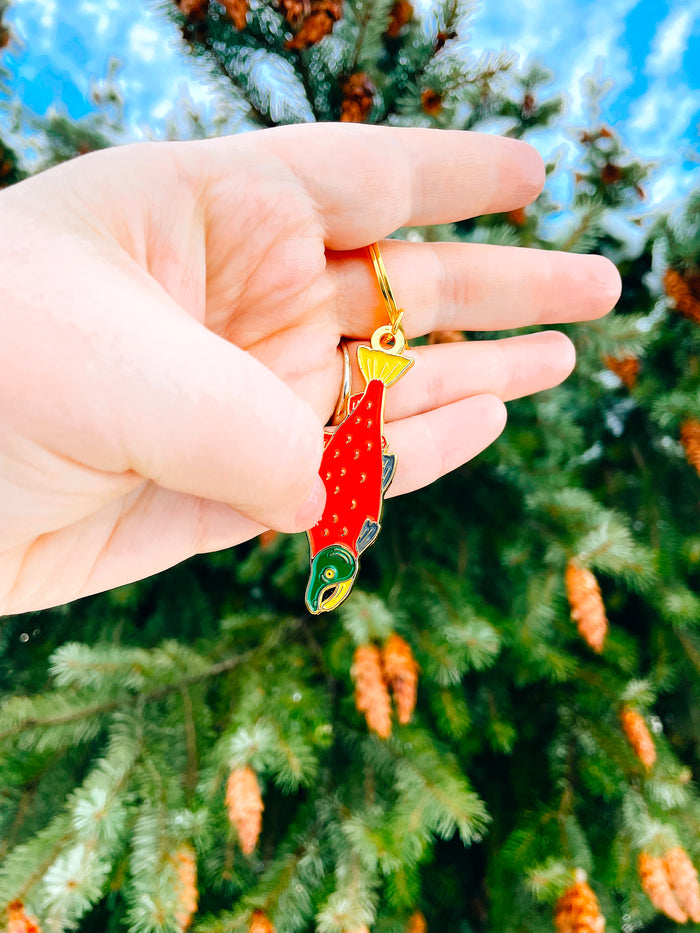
<point x="356" y="467"/>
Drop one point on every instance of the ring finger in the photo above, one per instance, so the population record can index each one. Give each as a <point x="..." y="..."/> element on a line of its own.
<point x="446" y="373"/>
<point x="470" y="286"/>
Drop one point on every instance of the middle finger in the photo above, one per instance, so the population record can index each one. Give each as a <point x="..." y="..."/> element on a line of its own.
<point x="471" y="286"/>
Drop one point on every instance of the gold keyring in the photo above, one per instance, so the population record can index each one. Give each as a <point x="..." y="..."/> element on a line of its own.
<point x="395" y="313"/>
<point x="341" y="406"/>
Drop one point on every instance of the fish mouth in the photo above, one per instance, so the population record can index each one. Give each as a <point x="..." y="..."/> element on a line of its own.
<point x="330" y="597"/>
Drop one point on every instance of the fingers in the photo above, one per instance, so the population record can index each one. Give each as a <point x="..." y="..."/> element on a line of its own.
<point x="145" y="532"/>
<point x="229" y="430"/>
<point x="469" y="286"/>
<point x="508" y="369"/>
<point x="165" y="397"/>
<point x="366" y="181"/>
<point x="432" y="444"/>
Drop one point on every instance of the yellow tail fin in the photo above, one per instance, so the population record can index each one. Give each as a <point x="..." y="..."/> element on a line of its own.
<point x="377" y="364"/>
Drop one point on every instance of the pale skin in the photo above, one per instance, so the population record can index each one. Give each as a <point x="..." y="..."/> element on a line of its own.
<point x="170" y="320"/>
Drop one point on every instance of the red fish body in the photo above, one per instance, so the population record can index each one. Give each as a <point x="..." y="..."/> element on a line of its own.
<point x="356" y="470"/>
<point x="351" y="470"/>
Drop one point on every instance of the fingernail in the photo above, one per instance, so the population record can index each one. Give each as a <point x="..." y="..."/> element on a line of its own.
<point x="312" y="509"/>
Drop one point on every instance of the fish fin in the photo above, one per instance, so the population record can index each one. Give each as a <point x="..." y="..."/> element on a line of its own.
<point x="367" y="536"/>
<point x="388" y="470"/>
<point x="377" y="364"/>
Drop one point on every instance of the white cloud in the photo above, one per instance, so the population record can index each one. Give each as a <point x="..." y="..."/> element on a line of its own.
<point x="671" y="40"/>
<point x="145" y="41"/>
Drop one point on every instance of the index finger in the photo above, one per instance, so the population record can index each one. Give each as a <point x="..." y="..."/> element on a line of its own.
<point x="367" y="181"/>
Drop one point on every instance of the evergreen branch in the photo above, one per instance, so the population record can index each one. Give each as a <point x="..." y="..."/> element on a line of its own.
<point x="190" y="777"/>
<point x="221" y="667"/>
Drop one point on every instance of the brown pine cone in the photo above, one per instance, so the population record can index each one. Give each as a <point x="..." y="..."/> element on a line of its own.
<point x="652" y="874"/>
<point x="517" y="217"/>
<point x="587" y="608"/>
<point x="358" y="94"/>
<point x="237" y="12"/>
<point x="577" y="910"/>
<point x="431" y="102"/>
<point x="638" y="735"/>
<point x="683" y="879"/>
<point x="18" y="921"/>
<point x="690" y="439"/>
<point x="416" y="923"/>
<point x="319" y="23"/>
<point x="267" y="538"/>
<point x="400" y="14"/>
<point x="260" y="923"/>
<point x="626" y="369"/>
<point x="194" y="9"/>
<point x="442" y="38"/>
<point x="185" y="862"/>
<point x="401" y="673"/>
<point x="610" y="173"/>
<point x="294" y="10"/>
<point x="245" y="806"/>
<point x="684" y="293"/>
<point x="446" y="336"/>
<point x="371" y="693"/>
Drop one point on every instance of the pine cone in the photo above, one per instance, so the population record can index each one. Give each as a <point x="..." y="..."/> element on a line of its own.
<point x="652" y="873"/>
<point x="638" y="735"/>
<point x="237" y="11"/>
<point x="446" y="336"/>
<point x="358" y="94"/>
<point x="610" y="173"/>
<point x="400" y="14"/>
<point x="245" y="806"/>
<point x="294" y="10"/>
<point x="260" y="923"/>
<point x="517" y="217"/>
<point x="416" y="923"/>
<point x="431" y="102"/>
<point x="401" y="673"/>
<point x="371" y="693"/>
<point x="626" y="369"/>
<point x="442" y="38"/>
<point x="319" y="23"/>
<point x="690" y="439"/>
<point x="587" y="608"/>
<point x="185" y="862"/>
<point x="684" y="881"/>
<point x="577" y="910"/>
<point x="18" y="920"/>
<point x="684" y="293"/>
<point x="194" y="9"/>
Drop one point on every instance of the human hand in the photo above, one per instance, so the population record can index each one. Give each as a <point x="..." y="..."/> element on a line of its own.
<point x="170" y="316"/>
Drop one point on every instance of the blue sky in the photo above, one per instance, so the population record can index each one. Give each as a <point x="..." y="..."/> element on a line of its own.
<point x="650" y="49"/>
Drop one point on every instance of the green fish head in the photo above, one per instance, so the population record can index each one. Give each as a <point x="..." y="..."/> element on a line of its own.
<point x="333" y="571"/>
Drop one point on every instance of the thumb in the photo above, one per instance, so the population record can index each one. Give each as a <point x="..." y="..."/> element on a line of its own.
<point x="203" y="417"/>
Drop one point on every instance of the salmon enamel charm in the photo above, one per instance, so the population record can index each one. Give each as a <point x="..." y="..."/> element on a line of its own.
<point x="356" y="467"/>
<point x="356" y="470"/>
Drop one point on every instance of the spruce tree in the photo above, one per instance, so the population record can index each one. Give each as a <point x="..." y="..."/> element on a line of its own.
<point x="500" y="730"/>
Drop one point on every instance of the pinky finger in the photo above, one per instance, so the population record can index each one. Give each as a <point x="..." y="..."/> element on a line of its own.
<point x="433" y="443"/>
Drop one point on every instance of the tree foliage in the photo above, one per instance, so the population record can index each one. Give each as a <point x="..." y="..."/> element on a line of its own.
<point x="125" y="714"/>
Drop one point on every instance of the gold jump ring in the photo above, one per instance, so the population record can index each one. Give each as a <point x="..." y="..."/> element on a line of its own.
<point x="395" y="313"/>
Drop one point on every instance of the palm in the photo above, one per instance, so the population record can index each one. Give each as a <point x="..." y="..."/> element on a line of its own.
<point x="251" y="239"/>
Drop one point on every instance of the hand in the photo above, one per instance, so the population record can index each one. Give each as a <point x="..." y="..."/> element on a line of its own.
<point x="170" y="316"/>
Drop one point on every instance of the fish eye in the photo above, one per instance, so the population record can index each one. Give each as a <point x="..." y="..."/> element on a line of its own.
<point x="329" y="573"/>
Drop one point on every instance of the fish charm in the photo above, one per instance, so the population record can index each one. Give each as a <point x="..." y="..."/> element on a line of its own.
<point x="356" y="470"/>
